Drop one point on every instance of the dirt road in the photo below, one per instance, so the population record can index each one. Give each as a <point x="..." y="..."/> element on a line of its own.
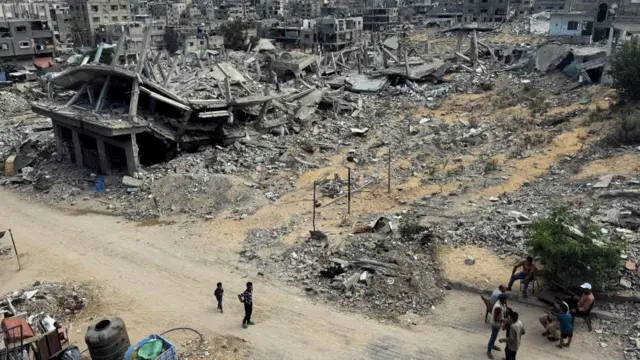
<point x="163" y="276"/>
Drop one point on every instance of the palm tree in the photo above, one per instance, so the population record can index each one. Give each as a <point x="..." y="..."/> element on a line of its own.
<point x="78" y="32"/>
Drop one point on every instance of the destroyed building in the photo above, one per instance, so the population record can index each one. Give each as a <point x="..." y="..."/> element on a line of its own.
<point x="112" y="117"/>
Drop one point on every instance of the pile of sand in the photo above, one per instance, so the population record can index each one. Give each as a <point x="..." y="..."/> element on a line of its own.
<point x="206" y="194"/>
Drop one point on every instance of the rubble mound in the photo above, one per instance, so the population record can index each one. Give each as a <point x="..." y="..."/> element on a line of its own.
<point x="61" y="301"/>
<point x="205" y="194"/>
<point x="13" y="104"/>
<point x="386" y="274"/>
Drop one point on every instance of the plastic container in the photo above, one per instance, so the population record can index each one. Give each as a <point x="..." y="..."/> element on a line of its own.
<point x="169" y="350"/>
<point x="107" y="340"/>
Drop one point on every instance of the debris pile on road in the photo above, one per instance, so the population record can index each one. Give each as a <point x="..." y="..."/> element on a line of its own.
<point x="46" y="300"/>
<point x="374" y="268"/>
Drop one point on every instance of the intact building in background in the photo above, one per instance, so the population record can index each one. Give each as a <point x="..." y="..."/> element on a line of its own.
<point x="26" y="33"/>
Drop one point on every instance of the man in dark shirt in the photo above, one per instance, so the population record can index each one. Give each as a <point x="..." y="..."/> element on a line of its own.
<point x="247" y="298"/>
<point x="218" y="294"/>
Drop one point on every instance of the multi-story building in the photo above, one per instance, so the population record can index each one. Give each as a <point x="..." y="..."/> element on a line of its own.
<point x="139" y="7"/>
<point x="549" y="5"/>
<point x="189" y="38"/>
<point x="26" y="33"/>
<point x="376" y="19"/>
<point x="98" y="16"/>
<point x="61" y="20"/>
<point x="270" y="8"/>
<point x="483" y="10"/>
<point x="234" y="12"/>
<point x="605" y="12"/>
<point x="333" y="34"/>
<point x="306" y="9"/>
<point x="172" y="13"/>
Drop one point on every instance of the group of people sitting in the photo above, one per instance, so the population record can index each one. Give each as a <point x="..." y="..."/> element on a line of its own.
<point x="558" y="320"/>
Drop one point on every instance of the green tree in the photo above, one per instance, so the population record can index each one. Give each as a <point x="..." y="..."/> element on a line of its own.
<point x="572" y="252"/>
<point x="234" y="34"/>
<point x="625" y="70"/>
<point x="78" y="33"/>
<point x="7" y="67"/>
<point x="105" y="57"/>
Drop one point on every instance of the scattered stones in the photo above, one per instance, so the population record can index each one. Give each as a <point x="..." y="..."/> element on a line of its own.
<point x="625" y="283"/>
<point x="128" y="181"/>
<point x="470" y="260"/>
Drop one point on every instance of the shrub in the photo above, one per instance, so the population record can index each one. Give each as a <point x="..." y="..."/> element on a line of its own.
<point x="105" y="57"/>
<point x="410" y="226"/>
<point x="491" y="165"/>
<point x="571" y="259"/>
<point x="626" y="72"/>
<point x="627" y="132"/>
<point x="235" y="34"/>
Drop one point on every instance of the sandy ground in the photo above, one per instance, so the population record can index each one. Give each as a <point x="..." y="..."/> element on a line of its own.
<point x="488" y="270"/>
<point x="161" y="277"/>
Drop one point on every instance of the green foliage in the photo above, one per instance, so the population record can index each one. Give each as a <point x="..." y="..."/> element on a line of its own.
<point x="410" y="226"/>
<point x="626" y="72"/>
<point x="627" y="131"/>
<point x="171" y="42"/>
<point x="570" y="259"/>
<point x="6" y="67"/>
<point x="234" y="34"/>
<point x="105" y="57"/>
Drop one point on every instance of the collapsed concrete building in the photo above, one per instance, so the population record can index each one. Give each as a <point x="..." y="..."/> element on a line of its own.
<point x="117" y="116"/>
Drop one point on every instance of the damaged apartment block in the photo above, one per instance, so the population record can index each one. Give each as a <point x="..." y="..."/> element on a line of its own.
<point x="113" y="118"/>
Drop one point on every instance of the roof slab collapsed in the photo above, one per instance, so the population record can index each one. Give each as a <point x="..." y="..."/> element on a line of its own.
<point x="181" y="100"/>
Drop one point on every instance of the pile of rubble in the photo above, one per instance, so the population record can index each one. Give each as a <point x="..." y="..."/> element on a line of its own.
<point x="374" y="268"/>
<point x="13" y="103"/>
<point x="56" y="300"/>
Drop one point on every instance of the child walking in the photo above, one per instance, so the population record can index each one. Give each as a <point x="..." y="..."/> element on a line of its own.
<point x="565" y="322"/>
<point x="218" y="294"/>
<point x="247" y="299"/>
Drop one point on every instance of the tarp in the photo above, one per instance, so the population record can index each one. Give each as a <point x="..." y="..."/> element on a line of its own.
<point x="42" y="63"/>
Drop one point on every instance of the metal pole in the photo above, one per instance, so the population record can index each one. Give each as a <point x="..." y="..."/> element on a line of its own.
<point x="348" y="190"/>
<point x="389" y="172"/>
<point x="15" y="249"/>
<point x="314" y="206"/>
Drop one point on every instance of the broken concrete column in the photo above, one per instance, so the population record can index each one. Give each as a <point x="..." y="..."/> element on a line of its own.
<point x="474" y="48"/>
<point x="131" y="150"/>
<point x="57" y="132"/>
<point x="77" y="148"/>
<point x="459" y="45"/>
<point x="105" y="167"/>
<point x="385" y="61"/>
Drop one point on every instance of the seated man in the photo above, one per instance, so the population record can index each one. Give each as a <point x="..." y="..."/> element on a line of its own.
<point x="501" y="289"/>
<point x="580" y="305"/>
<point x="548" y="321"/>
<point x="526" y="275"/>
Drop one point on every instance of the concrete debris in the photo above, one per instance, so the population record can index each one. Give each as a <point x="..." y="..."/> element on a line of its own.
<point x="60" y="301"/>
<point x="603" y="182"/>
<point x="128" y="181"/>
<point x="470" y="260"/>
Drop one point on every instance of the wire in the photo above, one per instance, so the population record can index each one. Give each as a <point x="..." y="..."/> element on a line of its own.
<point x="189" y="329"/>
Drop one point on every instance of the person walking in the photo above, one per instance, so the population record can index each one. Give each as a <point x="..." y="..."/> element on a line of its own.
<point x="514" y="331"/>
<point x="497" y="320"/>
<point x="218" y="294"/>
<point x="247" y="299"/>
